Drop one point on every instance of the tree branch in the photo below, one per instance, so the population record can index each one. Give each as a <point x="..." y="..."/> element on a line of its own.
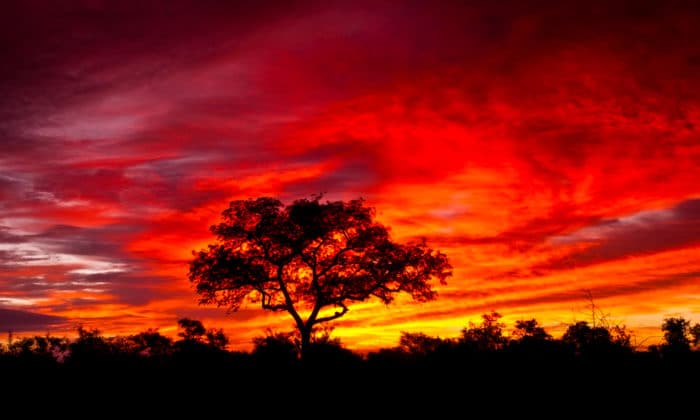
<point x="266" y="302"/>
<point x="336" y="315"/>
<point x="334" y="263"/>
<point x="288" y="299"/>
<point x="317" y="307"/>
<point x="274" y="308"/>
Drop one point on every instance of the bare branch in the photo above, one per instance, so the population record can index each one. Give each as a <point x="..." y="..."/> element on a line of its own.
<point x="336" y="315"/>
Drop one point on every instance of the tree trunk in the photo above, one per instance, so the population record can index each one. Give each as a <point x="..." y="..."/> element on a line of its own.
<point x="305" y="342"/>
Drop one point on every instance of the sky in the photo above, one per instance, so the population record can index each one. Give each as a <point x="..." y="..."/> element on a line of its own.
<point x="550" y="149"/>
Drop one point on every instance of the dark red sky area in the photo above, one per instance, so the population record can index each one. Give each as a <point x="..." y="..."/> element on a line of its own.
<point x="549" y="148"/>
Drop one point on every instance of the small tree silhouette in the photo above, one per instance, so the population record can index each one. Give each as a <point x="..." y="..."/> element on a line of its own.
<point x="90" y="347"/>
<point x="420" y="344"/>
<point x="695" y="333"/>
<point x="275" y="349"/>
<point x="596" y="341"/>
<point x="676" y="335"/>
<point x="488" y="336"/>
<point x="310" y="259"/>
<point x="193" y="335"/>
<point x="530" y="329"/>
<point x="152" y="343"/>
<point x="217" y="339"/>
<point x="192" y="330"/>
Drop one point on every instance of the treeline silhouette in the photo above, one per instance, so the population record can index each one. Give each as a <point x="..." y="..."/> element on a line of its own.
<point x="591" y="366"/>
<point x="488" y="341"/>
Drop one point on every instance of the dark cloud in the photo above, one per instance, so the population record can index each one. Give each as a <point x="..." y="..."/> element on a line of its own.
<point x="644" y="233"/>
<point x="60" y="45"/>
<point x="88" y="184"/>
<point x="20" y="256"/>
<point x="23" y="321"/>
<point x="31" y="286"/>
<point x="103" y="241"/>
<point x="131" y="288"/>
<point x="524" y="237"/>
<point x="12" y="189"/>
<point x="7" y="237"/>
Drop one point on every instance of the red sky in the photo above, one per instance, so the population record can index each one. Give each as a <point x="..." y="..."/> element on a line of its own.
<point x="548" y="148"/>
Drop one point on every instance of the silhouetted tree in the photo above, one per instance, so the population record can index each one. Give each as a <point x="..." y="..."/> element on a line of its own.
<point x="529" y="339"/>
<point x="195" y="336"/>
<point x="621" y="336"/>
<point x="152" y="343"/>
<point x="488" y="336"/>
<point x="282" y="348"/>
<point x="275" y="348"/>
<point x="23" y="347"/>
<point x="530" y="329"/>
<point x="217" y="339"/>
<point x="332" y="353"/>
<point x="695" y="333"/>
<point x="326" y="350"/>
<point x="310" y="259"/>
<point x="192" y="330"/>
<point x="37" y="351"/>
<point x="89" y="347"/>
<point x="598" y="340"/>
<point x="583" y="337"/>
<point x="420" y="344"/>
<point x="676" y="335"/>
<point x="58" y="347"/>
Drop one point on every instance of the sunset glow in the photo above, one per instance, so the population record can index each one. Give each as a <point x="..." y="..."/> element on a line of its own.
<point x="550" y="149"/>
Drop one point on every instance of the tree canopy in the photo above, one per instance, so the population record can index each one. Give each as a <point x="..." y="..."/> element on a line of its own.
<point x="311" y="259"/>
